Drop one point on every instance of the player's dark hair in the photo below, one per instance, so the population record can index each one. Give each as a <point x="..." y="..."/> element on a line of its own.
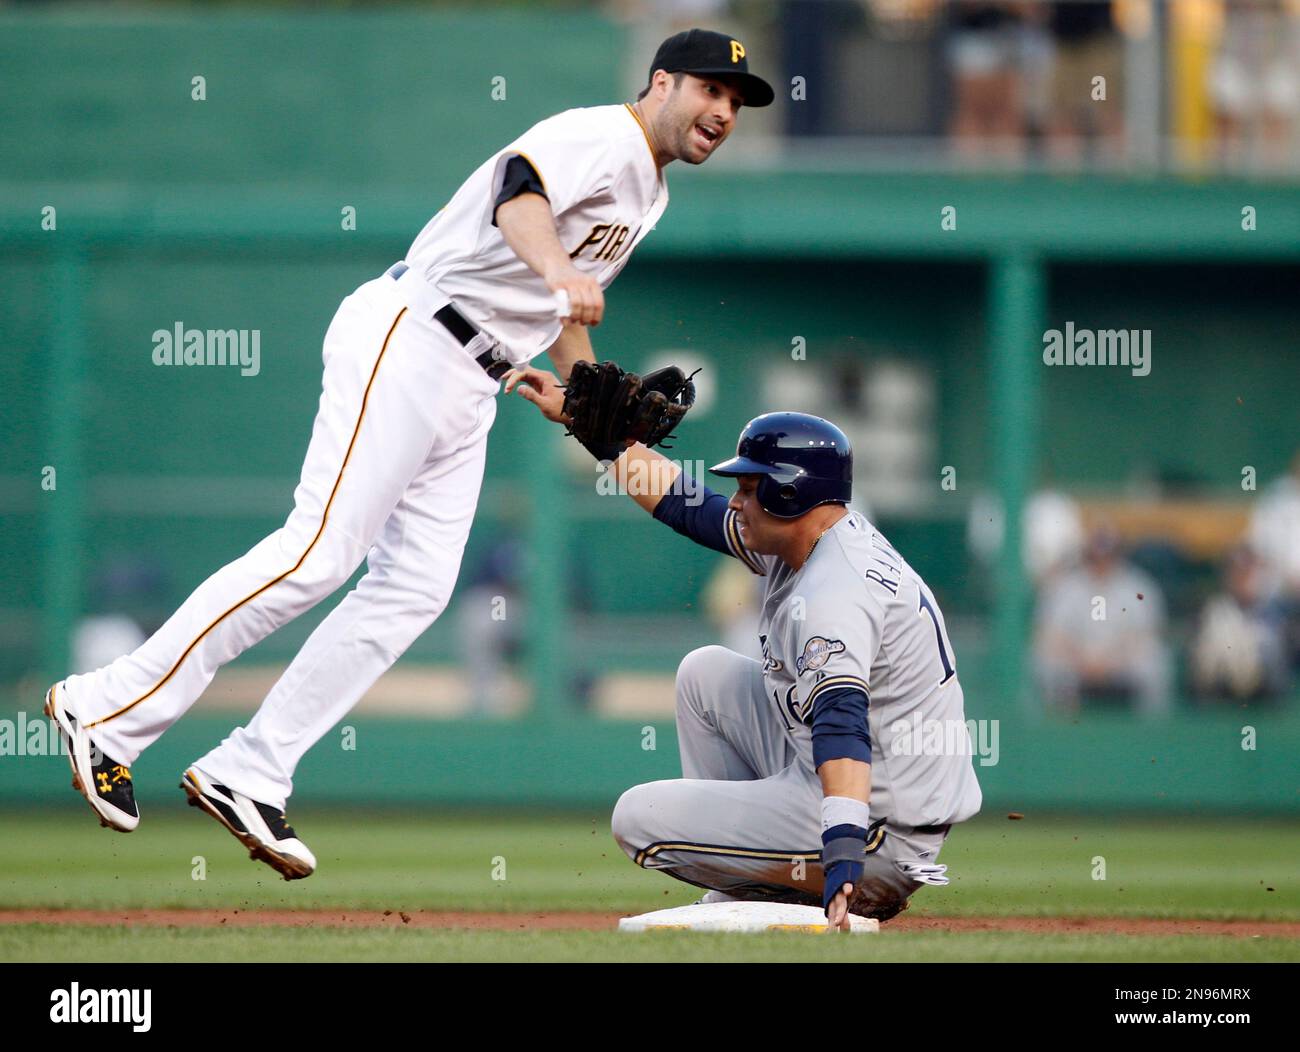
<point x="677" y="83"/>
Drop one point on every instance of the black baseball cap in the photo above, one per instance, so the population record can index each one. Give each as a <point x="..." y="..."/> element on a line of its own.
<point x="705" y="53"/>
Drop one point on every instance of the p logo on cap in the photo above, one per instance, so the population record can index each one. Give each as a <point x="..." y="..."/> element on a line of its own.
<point x="704" y="53"/>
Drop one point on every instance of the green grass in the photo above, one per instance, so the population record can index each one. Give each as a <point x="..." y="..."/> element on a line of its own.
<point x="1184" y="868"/>
<point x="1187" y="868"/>
<point x="44" y="943"/>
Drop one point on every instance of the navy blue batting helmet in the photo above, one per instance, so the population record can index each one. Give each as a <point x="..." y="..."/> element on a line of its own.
<point x="803" y="461"/>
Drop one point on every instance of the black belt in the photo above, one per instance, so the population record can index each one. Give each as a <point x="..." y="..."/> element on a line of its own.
<point x="462" y="329"/>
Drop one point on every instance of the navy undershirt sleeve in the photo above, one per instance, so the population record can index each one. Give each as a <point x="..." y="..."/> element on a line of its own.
<point x="695" y="511"/>
<point x="520" y="178"/>
<point x="839" y="729"/>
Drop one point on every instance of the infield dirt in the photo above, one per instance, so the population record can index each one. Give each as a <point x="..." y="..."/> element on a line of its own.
<point x="575" y="921"/>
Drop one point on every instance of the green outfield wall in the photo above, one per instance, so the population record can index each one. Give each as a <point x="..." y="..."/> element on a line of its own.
<point x="1104" y="766"/>
<point x="228" y="213"/>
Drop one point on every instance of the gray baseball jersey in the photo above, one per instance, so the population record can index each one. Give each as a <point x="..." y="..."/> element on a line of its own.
<point x="857" y="615"/>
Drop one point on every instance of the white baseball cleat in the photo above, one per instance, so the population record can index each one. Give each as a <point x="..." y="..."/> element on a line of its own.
<point x="259" y="827"/>
<point x="105" y="783"/>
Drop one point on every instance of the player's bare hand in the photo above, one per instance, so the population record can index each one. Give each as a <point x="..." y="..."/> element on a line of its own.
<point x="541" y="388"/>
<point x="586" y="298"/>
<point x="837" y="915"/>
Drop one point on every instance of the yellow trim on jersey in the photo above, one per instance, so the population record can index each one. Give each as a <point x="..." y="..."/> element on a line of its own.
<point x="737" y="546"/>
<point x="644" y="131"/>
<point x="303" y="558"/>
<point x="833" y="683"/>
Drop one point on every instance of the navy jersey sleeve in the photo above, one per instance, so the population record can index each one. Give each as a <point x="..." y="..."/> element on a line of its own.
<point x="520" y="178"/>
<point x="840" y="729"/>
<point x="695" y="511"/>
<point x="838" y="641"/>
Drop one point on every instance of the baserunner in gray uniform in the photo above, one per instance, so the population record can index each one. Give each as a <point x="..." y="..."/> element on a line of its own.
<point x="833" y="770"/>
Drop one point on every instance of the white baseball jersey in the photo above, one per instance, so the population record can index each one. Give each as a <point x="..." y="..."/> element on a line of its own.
<point x="393" y="469"/>
<point x="856" y="615"/>
<point x="606" y="194"/>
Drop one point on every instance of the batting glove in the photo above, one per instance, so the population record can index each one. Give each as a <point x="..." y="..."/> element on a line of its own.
<point x="844" y="853"/>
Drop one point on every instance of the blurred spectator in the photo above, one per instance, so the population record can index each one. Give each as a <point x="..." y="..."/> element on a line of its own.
<point x="129" y="590"/>
<point x="1274" y="533"/>
<point x="984" y="51"/>
<point x="491" y="619"/>
<point x="1086" y="45"/>
<point x="1255" y="80"/>
<point x="1037" y="58"/>
<point x="1274" y="529"/>
<point x="808" y="31"/>
<point x="1100" y="633"/>
<point x="1239" y="651"/>
<point x="1053" y="534"/>
<point x="1051" y="538"/>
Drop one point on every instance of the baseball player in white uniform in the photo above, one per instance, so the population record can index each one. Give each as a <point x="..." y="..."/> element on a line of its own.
<point x="412" y="363"/>
<point x="819" y="739"/>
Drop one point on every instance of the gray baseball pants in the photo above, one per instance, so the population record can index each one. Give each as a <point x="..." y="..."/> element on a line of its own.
<point x="746" y="818"/>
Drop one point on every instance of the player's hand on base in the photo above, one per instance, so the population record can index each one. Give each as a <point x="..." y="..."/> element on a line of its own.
<point x="837" y="913"/>
<point x="586" y="297"/>
<point x="540" y="387"/>
<point x="844" y="853"/>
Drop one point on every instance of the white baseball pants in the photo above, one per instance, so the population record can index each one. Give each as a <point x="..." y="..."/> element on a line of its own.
<point x="392" y="475"/>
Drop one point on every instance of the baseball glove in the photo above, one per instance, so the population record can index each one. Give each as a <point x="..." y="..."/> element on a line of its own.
<point x="608" y="408"/>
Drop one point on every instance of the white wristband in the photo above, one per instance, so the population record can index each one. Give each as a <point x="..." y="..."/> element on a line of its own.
<point x="844" y="810"/>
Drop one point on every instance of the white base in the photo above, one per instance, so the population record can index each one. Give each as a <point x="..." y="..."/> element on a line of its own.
<point x="741" y="917"/>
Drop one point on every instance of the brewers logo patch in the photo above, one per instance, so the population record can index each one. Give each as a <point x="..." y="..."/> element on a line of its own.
<point x="817" y="652"/>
